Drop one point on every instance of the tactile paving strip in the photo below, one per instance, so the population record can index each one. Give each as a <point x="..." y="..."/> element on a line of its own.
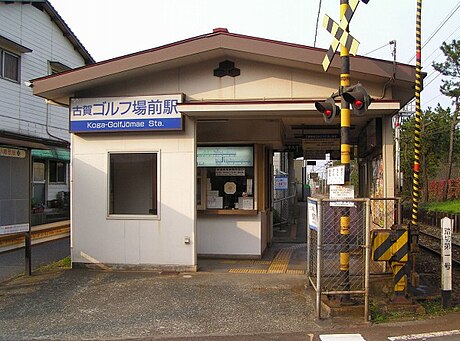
<point x="280" y="263"/>
<point x="248" y="271"/>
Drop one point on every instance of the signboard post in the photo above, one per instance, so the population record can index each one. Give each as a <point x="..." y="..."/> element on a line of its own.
<point x="446" y="261"/>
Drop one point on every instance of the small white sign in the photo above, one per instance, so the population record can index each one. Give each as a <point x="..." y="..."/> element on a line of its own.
<point x="341" y="194"/>
<point x="18" y="228"/>
<point x="336" y="175"/>
<point x="312" y="215"/>
<point x="446" y="254"/>
<point x="214" y="202"/>
<point x="230" y="171"/>
<point x="281" y="182"/>
<point x="245" y="203"/>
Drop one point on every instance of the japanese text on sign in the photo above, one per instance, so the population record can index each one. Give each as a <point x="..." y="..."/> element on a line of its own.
<point x="12" y="152"/>
<point x="125" y="113"/>
<point x="336" y="175"/>
<point x="446" y="253"/>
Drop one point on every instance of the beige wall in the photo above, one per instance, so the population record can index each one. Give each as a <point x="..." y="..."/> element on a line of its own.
<point x="257" y="81"/>
<point x="229" y="235"/>
<point x="157" y="242"/>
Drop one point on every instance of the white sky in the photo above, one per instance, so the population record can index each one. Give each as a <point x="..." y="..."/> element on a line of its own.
<point x="111" y="28"/>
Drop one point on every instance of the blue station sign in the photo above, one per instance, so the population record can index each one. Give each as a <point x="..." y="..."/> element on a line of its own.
<point x="138" y="113"/>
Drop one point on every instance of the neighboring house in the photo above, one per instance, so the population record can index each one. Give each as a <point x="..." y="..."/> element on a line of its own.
<point x="34" y="42"/>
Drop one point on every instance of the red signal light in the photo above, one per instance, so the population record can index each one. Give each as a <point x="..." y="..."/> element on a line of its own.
<point x="358" y="104"/>
<point x="328" y="113"/>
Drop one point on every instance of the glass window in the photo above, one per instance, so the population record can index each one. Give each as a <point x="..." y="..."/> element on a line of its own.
<point x="39" y="171"/>
<point x="133" y="184"/>
<point x="57" y="171"/>
<point x="226" y="177"/>
<point x="10" y="66"/>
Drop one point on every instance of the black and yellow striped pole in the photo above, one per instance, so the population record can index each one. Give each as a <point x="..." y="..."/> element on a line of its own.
<point x="413" y="227"/>
<point x="345" y="158"/>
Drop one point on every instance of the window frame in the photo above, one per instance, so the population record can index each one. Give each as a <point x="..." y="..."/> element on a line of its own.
<point x="110" y="216"/>
<point x="204" y="173"/>
<point x="66" y="171"/>
<point x="4" y="52"/>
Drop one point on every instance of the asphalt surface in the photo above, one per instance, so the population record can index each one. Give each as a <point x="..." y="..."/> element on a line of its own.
<point x="12" y="263"/>
<point x="106" y="305"/>
<point x="85" y="304"/>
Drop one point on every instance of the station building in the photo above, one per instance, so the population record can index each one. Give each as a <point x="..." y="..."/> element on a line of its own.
<point x="172" y="147"/>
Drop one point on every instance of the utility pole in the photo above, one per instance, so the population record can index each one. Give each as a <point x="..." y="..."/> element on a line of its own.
<point x="359" y="99"/>
<point x="345" y="160"/>
<point x="413" y="226"/>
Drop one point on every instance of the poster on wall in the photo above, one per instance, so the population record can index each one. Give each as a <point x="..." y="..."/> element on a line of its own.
<point x="136" y="113"/>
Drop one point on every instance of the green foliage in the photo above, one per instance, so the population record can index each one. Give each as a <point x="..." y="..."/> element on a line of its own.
<point x="450" y="68"/>
<point x="379" y="314"/>
<point x="64" y="263"/>
<point x="434" y="145"/>
<point x="434" y="308"/>
<point x="445" y="206"/>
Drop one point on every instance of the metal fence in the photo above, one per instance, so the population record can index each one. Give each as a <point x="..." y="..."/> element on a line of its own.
<point x="284" y="205"/>
<point x="323" y="265"/>
<point x="385" y="213"/>
<point x="325" y="243"/>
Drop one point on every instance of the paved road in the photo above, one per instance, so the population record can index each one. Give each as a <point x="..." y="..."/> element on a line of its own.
<point x="12" y="262"/>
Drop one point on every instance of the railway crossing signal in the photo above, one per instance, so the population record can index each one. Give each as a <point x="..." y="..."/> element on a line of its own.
<point x="358" y="98"/>
<point x="340" y="34"/>
<point x="328" y="108"/>
<point x="360" y="101"/>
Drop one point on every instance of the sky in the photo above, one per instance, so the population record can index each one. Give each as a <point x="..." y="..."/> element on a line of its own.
<point x="112" y="28"/>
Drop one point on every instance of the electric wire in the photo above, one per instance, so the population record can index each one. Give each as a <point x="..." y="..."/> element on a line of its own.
<point x="426" y="102"/>
<point x="378" y="48"/>
<point x="317" y="23"/>
<point x="436" y="50"/>
<point x="452" y="12"/>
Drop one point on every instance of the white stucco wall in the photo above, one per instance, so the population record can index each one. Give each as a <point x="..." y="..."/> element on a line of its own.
<point x="229" y="235"/>
<point x="157" y="242"/>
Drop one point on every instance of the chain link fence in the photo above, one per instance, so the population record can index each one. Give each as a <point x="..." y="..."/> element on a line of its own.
<point x="325" y="244"/>
<point x="385" y="213"/>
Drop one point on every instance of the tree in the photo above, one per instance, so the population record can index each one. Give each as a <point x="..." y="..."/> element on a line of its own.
<point x="434" y="146"/>
<point x="451" y="88"/>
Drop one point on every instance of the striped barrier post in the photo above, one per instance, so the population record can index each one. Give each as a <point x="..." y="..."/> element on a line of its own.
<point x="413" y="226"/>
<point x="393" y="246"/>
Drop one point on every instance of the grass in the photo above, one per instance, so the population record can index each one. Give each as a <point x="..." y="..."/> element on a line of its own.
<point x="452" y="206"/>
<point x="64" y="263"/>
<point x="432" y="308"/>
<point x="379" y="315"/>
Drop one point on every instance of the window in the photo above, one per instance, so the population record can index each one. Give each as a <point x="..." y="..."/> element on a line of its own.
<point x="225" y="178"/>
<point x="133" y="184"/>
<point x="57" y="67"/>
<point x="9" y="66"/>
<point x="57" y="171"/>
